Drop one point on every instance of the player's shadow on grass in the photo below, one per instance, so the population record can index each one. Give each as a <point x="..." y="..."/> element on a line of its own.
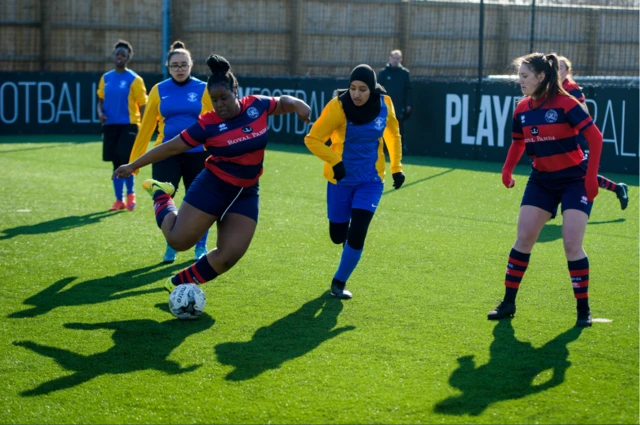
<point x="138" y="345"/>
<point x="553" y="231"/>
<point x="56" y="225"/>
<point x="515" y="370"/>
<point x="285" y="339"/>
<point x="96" y="291"/>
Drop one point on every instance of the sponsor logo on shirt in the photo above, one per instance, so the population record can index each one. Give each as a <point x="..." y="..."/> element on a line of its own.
<point x="551" y="116"/>
<point x="584" y="200"/>
<point x="123" y="84"/>
<point x="222" y="127"/>
<point x="534" y="130"/>
<point x="250" y="136"/>
<point x="192" y="97"/>
<point x="247" y="129"/>
<point x="378" y="123"/>
<point x="253" y="112"/>
<point x="522" y="119"/>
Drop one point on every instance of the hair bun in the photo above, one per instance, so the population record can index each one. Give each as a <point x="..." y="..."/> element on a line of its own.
<point x="177" y="45"/>
<point x="218" y="64"/>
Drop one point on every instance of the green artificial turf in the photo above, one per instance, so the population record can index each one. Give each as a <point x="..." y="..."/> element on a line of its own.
<point x="86" y="336"/>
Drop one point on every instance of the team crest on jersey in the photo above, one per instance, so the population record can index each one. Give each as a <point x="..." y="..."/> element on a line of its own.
<point x="551" y="116"/>
<point x="253" y="112"/>
<point x="123" y="84"/>
<point x="378" y="123"/>
<point x="192" y="97"/>
<point x="534" y="131"/>
<point x="247" y="129"/>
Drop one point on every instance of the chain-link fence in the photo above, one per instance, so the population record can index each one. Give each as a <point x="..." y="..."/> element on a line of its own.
<point x="460" y="39"/>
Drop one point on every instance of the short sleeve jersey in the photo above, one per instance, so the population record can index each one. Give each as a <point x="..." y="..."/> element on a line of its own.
<point x="122" y="95"/>
<point x="236" y="145"/>
<point x="549" y="133"/>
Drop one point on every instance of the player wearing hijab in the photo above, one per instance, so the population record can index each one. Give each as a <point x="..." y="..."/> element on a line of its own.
<point x="357" y="121"/>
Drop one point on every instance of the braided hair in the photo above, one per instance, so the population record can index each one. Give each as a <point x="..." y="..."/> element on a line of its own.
<point x="221" y="74"/>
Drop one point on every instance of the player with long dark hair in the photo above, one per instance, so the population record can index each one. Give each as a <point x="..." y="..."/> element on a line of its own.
<point x="546" y="124"/>
<point x="226" y="191"/>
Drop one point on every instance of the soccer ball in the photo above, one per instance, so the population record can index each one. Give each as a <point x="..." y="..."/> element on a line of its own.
<point x="187" y="301"/>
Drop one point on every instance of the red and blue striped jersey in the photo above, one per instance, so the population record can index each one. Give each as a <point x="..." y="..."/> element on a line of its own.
<point x="549" y="133"/>
<point x="236" y="145"/>
<point x="573" y="89"/>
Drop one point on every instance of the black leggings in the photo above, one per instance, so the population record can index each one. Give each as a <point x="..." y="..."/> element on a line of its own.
<point x="354" y="232"/>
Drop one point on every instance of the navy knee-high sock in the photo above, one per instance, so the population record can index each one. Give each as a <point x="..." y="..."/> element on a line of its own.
<point x="517" y="265"/>
<point x="579" y="272"/>
<point x="162" y="205"/>
<point x="198" y="273"/>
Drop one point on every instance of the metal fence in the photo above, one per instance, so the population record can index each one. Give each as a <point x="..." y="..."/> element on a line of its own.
<point x="444" y="39"/>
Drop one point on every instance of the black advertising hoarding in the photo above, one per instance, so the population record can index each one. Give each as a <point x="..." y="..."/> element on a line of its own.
<point x="450" y="119"/>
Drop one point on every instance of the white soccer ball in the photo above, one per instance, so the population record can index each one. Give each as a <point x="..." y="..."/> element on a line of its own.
<point x="187" y="301"/>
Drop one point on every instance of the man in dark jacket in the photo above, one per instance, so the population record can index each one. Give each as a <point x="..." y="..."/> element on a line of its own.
<point x="395" y="79"/>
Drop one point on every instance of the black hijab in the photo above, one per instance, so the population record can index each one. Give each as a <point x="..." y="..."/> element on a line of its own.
<point x="371" y="109"/>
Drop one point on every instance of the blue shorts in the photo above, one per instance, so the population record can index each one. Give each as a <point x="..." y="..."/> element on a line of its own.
<point x="214" y="196"/>
<point x="572" y="195"/>
<point x="341" y="199"/>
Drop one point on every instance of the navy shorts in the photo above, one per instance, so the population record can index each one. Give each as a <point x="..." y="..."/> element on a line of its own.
<point x="548" y="195"/>
<point x="341" y="199"/>
<point x="211" y="195"/>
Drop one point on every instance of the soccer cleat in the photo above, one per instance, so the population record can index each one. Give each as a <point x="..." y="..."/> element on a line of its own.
<point x="338" y="290"/>
<point x="169" y="255"/>
<point x="200" y="251"/>
<point x="131" y="201"/>
<point x="584" y="319"/>
<point x="504" y="309"/>
<point x="118" y="205"/>
<point x="152" y="186"/>
<point x="622" y="192"/>
<point x="169" y="286"/>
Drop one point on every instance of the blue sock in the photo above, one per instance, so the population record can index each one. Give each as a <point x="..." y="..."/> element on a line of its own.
<point x="203" y="240"/>
<point x="129" y="182"/>
<point x="118" y="188"/>
<point x="348" y="262"/>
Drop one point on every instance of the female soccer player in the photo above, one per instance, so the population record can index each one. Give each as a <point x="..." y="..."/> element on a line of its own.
<point x="173" y="105"/>
<point x="356" y="120"/>
<point x="546" y="124"/>
<point x="226" y="191"/>
<point x="620" y="189"/>
<point x="122" y="97"/>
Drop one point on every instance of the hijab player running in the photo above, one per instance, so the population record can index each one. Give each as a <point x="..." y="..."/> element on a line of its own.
<point x="546" y="124"/>
<point x="355" y="121"/>
<point x="226" y="191"/>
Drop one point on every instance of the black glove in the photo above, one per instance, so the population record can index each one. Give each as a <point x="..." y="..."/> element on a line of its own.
<point x="398" y="179"/>
<point x="339" y="171"/>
